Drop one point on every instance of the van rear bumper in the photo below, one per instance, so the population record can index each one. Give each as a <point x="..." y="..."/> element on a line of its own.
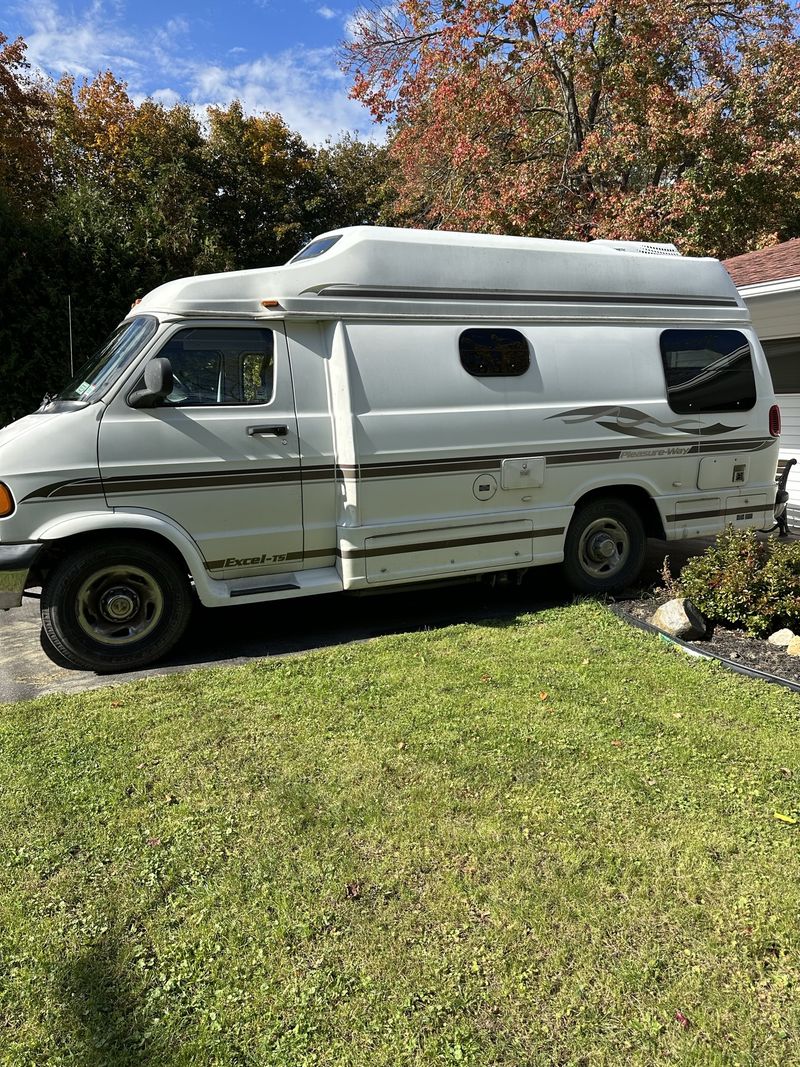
<point x="15" y="565"/>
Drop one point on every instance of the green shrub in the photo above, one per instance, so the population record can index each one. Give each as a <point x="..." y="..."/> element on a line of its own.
<point x="746" y="582"/>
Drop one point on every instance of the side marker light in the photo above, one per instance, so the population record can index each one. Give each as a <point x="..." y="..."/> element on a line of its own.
<point x="6" y="501"/>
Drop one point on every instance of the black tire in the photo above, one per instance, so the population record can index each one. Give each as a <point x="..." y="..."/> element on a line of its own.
<point x="116" y="606"/>
<point x="605" y="547"/>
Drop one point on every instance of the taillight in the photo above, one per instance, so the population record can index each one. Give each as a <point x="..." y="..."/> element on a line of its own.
<point x="774" y="421"/>
<point x="6" y="501"/>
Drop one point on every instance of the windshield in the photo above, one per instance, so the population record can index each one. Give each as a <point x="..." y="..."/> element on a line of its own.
<point x="111" y="359"/>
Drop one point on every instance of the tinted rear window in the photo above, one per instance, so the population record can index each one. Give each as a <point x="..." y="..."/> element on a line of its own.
<point x="708" y="370"/>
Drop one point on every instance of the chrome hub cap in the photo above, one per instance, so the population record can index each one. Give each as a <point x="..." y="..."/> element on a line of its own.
<point x="604" y="548"/>
<point x="119" y="605"/>
<point x="601" y="547"/>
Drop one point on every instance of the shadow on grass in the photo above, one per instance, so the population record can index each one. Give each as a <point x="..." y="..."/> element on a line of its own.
<point x="105" y="1022"/>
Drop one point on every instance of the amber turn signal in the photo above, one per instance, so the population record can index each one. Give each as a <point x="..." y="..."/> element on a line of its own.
<point x="6" y="501"/>
<point x="270" y="304"/>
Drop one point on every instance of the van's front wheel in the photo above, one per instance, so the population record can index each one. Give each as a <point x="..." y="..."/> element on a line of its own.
<point x="115" y="607"/>
<point x="605" y="547"/>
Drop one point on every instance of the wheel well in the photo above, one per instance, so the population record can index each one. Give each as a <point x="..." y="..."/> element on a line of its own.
<point x="54" y="551"/>
<point x="638" y="498"/>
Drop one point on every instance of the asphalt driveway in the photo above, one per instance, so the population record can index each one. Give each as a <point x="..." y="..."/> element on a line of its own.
<point x="236" y="635"/>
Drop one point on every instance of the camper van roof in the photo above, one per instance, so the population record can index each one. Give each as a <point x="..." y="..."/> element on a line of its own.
<point x="365" y="270"/>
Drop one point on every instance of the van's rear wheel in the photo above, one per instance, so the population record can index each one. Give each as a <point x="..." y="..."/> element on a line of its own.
<point x="605" y="547"/>
<point x="115" y="607"/>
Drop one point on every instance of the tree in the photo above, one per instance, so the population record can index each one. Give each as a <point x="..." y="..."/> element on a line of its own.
<point x="24" y="120"/>
<point x="102" y="199"/>
<point x="591" y="118"/>
<point x="357" y="184"/>
<point x="264" y="182"/>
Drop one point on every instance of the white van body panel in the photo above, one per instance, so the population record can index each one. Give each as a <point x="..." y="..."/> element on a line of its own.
<point x="394" y="463"/>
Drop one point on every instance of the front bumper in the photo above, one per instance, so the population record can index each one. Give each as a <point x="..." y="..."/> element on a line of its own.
<point x="15" y="565"/>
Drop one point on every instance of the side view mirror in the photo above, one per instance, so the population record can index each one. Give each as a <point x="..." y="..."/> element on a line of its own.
<point x="158" y="384"/>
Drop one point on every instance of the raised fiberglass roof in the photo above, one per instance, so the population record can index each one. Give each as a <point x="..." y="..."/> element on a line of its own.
<point x="402" y="270"/>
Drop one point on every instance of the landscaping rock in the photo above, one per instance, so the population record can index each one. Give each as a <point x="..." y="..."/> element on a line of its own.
<point x="680" y="618"/>
<point x="781" y="637"/>
<point x="793" y="648"/>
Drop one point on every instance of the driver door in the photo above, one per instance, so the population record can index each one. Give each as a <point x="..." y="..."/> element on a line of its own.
<point x="220" y="455"/>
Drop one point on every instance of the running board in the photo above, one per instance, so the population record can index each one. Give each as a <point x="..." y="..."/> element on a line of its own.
<point x="261" y="589"/>
<point x="247" y="591"/>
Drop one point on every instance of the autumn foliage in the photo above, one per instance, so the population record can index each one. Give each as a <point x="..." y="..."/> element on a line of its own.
<point x="662" y="119"/>
<point x="103" y="198"/>
<point x="670" y="120"/>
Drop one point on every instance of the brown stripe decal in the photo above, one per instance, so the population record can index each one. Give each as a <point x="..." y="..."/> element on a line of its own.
<point x="421" y="546"/>
<point x="743" y="509"/>
<point x="84" y="487"/>
<point x="202" y="480"/>
<point x="287" y="557"/>
<point x="356" y="292"/>
<point x="237" y="479"/>
<point x="425" y="546"/>
<point x="453" y="542"/>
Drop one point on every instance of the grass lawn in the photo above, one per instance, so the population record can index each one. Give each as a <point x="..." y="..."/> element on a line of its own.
<point x="549" y="841"/>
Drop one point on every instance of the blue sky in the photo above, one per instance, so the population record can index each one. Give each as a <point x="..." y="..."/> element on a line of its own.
<point x="274" y="55"/>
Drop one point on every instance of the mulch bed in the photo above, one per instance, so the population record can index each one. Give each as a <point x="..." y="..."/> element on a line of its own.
<point x="753" y="652"/>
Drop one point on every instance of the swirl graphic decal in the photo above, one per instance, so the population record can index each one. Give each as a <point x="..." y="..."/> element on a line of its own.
<point x="635" y="423"/>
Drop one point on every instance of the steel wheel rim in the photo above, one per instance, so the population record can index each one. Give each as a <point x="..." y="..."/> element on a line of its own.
<point x="118" y="606"/>
<point x="604" y="548"/>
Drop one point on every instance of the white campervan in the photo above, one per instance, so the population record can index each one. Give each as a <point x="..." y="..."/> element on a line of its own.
<point x="391" y="406"/>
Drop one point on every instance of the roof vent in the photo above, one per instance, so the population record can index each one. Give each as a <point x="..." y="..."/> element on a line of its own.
<point x="647" y="248"/>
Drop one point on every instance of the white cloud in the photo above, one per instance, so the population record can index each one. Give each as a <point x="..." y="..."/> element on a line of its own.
<point x="327" y="12"/>
<point x="60" y="42"/>
<point x="167" y="97"/>
<point x="177" y="26"/>
<point x="305" y="86"/>
<point x="167" y="63"/>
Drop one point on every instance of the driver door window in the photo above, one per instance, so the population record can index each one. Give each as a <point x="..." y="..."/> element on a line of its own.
<point x="220" y="367"/>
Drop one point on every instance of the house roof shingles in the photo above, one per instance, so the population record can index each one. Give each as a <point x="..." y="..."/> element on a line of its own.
<point x="767" y="265"/>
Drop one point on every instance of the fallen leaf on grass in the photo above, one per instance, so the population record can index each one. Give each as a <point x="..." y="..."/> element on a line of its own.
<point x="352" y="890"/>
<point x="617" y="744"/>
<point x="790" y="819"/>
<point x="543" y="696"/>
<point x="682" y="1020"/>
<point x="154" y="842"/>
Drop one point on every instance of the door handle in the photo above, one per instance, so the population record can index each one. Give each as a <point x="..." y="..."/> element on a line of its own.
<point x="274" y="431"/>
